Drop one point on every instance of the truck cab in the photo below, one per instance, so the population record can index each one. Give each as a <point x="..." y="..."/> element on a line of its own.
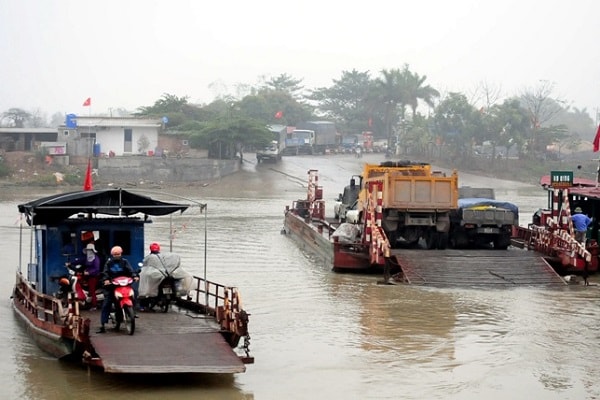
<point x="274" y="150"/>
<point x="271" y="153"/>
<point x="348" y="199"/>
<point x="481" y="220"/>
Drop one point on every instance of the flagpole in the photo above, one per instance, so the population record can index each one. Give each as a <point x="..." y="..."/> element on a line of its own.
<point x="598" y="174"/>
<point x="596" y="148"/>
<point x="90" y="126"/>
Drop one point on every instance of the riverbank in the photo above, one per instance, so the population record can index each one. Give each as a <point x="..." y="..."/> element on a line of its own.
<point x="31" y="169"/>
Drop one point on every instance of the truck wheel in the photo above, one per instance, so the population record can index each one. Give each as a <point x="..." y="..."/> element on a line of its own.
<point x="459" y="240"/>
<point x="442" y="240"/>
<point x="501" y="242"/>
<point x="431" y="240"/>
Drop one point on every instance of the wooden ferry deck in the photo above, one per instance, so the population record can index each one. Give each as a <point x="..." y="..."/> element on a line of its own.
<point x="178" y="341"/>
<point x="463" y="268"/>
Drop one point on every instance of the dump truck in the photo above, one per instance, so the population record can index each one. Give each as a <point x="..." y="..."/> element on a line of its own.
<point x="416" y="202"/>
<point x="480" y="220"/>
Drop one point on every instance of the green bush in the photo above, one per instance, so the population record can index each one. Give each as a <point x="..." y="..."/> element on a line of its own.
<point x="4" y="170"/>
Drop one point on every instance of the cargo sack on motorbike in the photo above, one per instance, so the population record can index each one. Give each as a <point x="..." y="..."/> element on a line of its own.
<point x="156" y="267"/>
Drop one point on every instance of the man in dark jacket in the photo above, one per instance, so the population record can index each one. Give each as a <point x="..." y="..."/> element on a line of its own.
<point x="115" y="266"/>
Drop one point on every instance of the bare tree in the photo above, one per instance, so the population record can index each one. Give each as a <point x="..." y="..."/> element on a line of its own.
<point x="541" y="106"/>
<point x="38" y="119"/>
<point x="486" y="94"/>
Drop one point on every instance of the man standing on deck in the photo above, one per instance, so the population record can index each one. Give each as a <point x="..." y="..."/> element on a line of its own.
<point x="580" y="224"/>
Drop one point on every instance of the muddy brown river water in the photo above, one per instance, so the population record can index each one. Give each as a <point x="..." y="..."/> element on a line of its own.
<point x="321" y="335"/>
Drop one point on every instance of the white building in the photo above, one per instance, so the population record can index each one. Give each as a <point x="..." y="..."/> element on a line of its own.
<point x="118" y="136"/>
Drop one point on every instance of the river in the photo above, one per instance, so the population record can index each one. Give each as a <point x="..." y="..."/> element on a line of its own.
<point x="321" y="335"/>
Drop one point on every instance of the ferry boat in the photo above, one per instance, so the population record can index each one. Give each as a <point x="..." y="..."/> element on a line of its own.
<point x="551" y="231"/>
<point x="335" y="244"/>
<point x="362" y="245"/>
<point x="205" y="331"/>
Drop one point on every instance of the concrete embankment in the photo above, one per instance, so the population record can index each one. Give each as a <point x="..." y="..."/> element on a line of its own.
<point x="156" y="169"/>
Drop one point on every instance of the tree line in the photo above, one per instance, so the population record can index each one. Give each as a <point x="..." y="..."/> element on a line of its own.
<point x="397" y="105"/>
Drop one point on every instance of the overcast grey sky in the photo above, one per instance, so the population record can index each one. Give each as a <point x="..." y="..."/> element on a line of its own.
<point x="127" y="53"/>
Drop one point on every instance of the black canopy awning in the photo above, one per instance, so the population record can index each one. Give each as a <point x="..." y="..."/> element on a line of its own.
<point x="119" y="202"/>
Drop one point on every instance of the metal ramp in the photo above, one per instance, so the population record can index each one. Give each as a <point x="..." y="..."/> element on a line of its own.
<point x="460" y="268"/>
<point x="172" y="342"/>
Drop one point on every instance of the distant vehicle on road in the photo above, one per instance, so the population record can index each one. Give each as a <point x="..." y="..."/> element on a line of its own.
<point x="275" y="149"/>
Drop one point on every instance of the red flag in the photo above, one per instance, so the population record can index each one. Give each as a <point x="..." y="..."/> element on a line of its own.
<point x="87" y="184"/>
<point x="279" y="115"/>
<point x="87" y="102"/>
<point x="597" y="140"/>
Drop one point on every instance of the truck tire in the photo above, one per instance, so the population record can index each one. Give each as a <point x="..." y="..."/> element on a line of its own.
<point x="459" y="240"/>
<point x="442" y="240"/>
<point x="431" y="240"/>
<point x="501" y="242"/>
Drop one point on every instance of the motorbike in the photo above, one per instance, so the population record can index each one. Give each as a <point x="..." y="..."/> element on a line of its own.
<point x="68" y="283"/>
<point x="166" y="294"/>
<point x="123" y="307"/>
<point x="168" y="290"/>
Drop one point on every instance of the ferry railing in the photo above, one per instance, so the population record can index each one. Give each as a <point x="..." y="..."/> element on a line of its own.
<point x="43" y="307"/>
<point x="224" y="304"/>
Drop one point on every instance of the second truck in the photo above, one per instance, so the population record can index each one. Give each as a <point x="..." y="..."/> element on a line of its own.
<point x="481" y="220"/>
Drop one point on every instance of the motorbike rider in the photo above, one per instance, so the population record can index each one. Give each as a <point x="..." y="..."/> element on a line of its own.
<point x="115" y="266"/>
<point x="159" y="267"/>
<point x="147" y="278"/>
<point x="90" y="262"/>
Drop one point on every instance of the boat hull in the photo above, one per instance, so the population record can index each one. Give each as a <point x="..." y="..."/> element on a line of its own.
<point x="311" y="235"/>
<point x="47" y="336"/>
<point x="352" y="257"/>
<point x="314" y="235"/>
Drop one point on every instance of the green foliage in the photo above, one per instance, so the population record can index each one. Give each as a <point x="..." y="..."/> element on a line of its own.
<point x="266" y="103"/>
<point x="168" y="103"/>
<point x="143" y="144"/>
<point x="458" y="123"/>
<point x="349" y="101"/>
<point x="236" y="130"/>
<point x="387" y="105"/>
<point x="286" y="84"/>
<point x="4" y="169"/>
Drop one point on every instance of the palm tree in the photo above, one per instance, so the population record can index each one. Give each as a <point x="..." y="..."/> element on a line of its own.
<point x="392" y="93"/>
<point x="415" y="90"/>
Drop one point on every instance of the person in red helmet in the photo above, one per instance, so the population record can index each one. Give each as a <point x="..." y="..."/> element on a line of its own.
<point x="156" y="267"/>
<point x="155" y="248"/>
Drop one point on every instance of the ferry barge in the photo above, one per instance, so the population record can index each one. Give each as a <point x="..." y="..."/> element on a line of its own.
<point x="424" y="200"/>
<point x="199" y="334"/>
